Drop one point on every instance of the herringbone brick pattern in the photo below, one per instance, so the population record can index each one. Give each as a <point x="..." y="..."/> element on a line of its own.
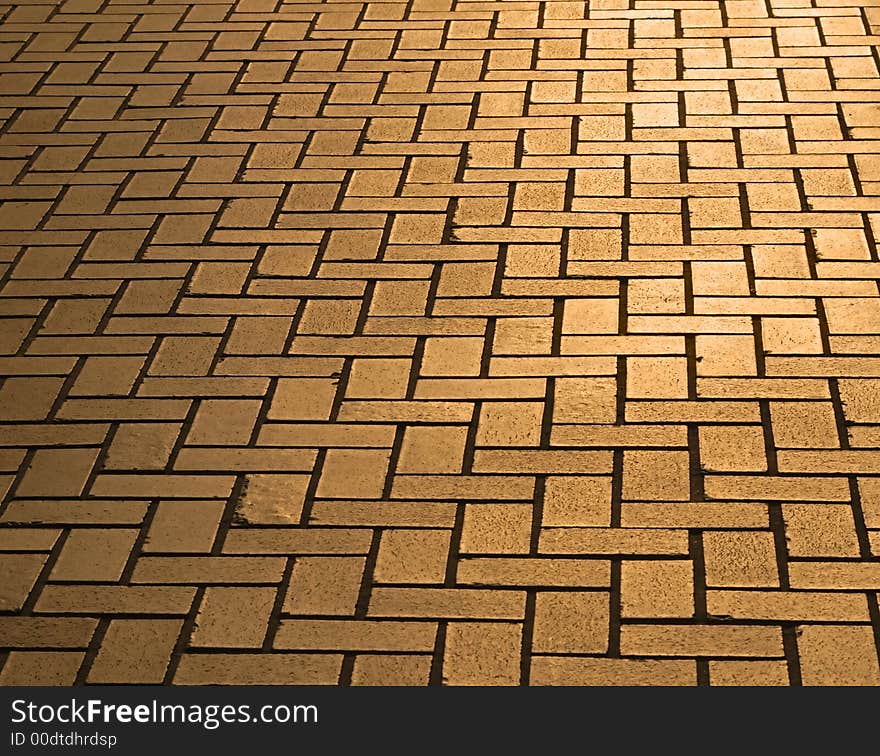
<point x="440" y="342"/>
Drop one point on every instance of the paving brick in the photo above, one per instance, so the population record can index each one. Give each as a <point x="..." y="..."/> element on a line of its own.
<point x="701" y="640"/>
<point x="657" y="588"/>
<point x="207" y="569"/>
<point x="233" y="617"/>
<point x="97" y="554"/>
<point x="573" y="501"/>
<point x="660" y="475"/>
<point x="748" y="673"/>
<point x="840" y="575"/>
<point x="432" y="449"/>
<point x="258" y="669"/>
<point x="608" y="541"/>
<point x="28" y="398"/>
<point x="309" y="594"/>
<point x="23" y="539"/>
<point x="41" y="668"/>
<point x="525" y="571"/>
<point x="183" y="526"/>
<point x="572" y="621"/>
<point x="447" y="603"/>
<point x="391" y="669"/>
<point x="135" y="651"/>
<point x="142" y="446"/>
<point x="821" y="530"/>
<point x="353" y="473"/>
<point x="496" y="529"/>
<point x="22" y="571"/>
<point x="271" y="498"/>
<point x="356" y="635"/>
<point x="573" y="670"/>
<point x="412" y="556"/>
<point x="745" y="559"/>
<point x="482" y="653"/>
<point x="814" y="605"/>
<point x="287" y="541"/>
<point x="837" y="655"/>
<point x="57" y="472"/>
<point x="737" y="447"/>
<point x="115" y="599"/>
<point x="47" y="632"/>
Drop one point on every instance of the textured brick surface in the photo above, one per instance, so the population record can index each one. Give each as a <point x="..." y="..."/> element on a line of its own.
<point x="440" y="342"/>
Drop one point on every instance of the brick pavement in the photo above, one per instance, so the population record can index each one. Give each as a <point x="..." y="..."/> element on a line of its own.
<point x="440" y="342"/>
